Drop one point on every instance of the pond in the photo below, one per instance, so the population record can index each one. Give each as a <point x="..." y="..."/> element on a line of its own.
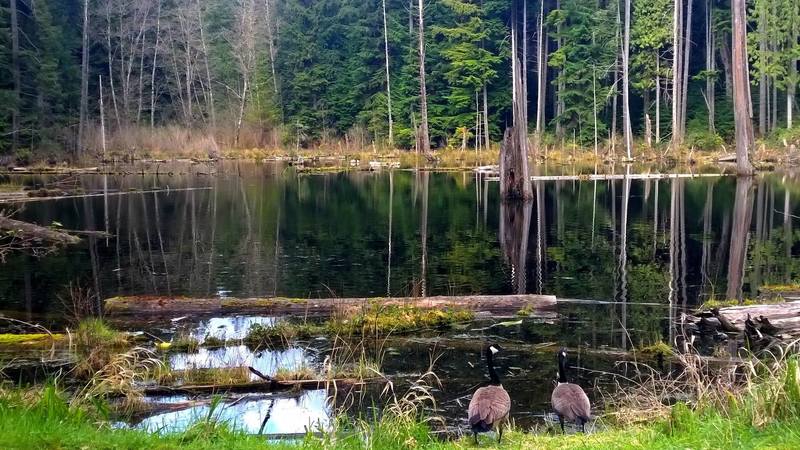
<point x="641" y="251"/>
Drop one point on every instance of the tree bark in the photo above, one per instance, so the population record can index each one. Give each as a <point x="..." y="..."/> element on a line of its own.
<point x="710" y="67"/>
<point x="740" y="87"/>
<point x="541" y="88"/>
<point x="84" y="106"/>
<point x="388" y="80"/>
<point x="687" y="50"/>
<point x="153" y="69"/>
<point x="424" y="134"/>
<point x="677" y="71"/>
<point x="626" y="108"/>
<point x="16" y="74"/>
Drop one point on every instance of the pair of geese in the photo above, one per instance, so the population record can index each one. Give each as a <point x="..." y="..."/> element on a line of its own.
<point x="491" y="404"/>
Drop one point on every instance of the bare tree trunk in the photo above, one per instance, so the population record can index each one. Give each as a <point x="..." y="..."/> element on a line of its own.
<point x="102" y="119"/>
<point x="84" y="78"/>
<point x="740" y="88"/>
<point x="424" y="134"/>
<point x="16" y="74"/>
<point x="111" y="66"/>
<point x="153" y="70"/>
<point x="541" y="85"/>
<point x="687" y="42"/>
<point x="710" y="67"/>
<point x="388" y="80"/>
<point x="486" y="137"/>
<point x="725" y="57"/>
<point x="762" y="82"/>
<point x="560" y="92"/>
<point x="525" y="62"/>
<point x="515" y="181"/>
<point x="677" y="70"/>
<point x="210" y="88"/>
<point x="626" y="108"/>
<point x="658" y="99"/>
<point x="271" y="40"/>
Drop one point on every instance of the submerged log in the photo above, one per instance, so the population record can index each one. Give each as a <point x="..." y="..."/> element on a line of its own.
<point x="254" y="386"/>
<point x="25" y="230"/>
<point x="139" y="305"/>
<point x="784" y="317"/>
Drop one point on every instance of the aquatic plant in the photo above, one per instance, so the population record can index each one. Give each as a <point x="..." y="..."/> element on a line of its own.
<point x="383" y="320"/>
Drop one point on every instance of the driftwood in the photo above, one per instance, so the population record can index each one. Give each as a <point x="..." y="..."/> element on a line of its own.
<point x="27" y="230"/>
<point x="784" y="316"/>
<point x="139" y="305"/>
<point x="16" y="199"/>
<point x="253" y="387"/>
<point x="492" y="176"/>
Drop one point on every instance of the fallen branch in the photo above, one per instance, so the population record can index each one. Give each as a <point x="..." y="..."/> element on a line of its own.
<point x="35" y="232"/>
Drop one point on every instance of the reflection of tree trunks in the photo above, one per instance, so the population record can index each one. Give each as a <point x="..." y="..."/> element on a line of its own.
<point x="594" y="210"/>
<point x="515" y="225"/>
<point x="28" y="290"/>
<point x="623" y="260"/>
<point x="389" y="257"/>
<point x="152" y="266"/>
<point x="787" y="233"/>
<point x="707" y="230"/>
<point x="682" y="209"/>
<point x="88" y="214"/>
<point x="424" y="227"/>
<point x="541" y="237"/>
<point x="742" y="214"/>
<point x="761" y="191"/>
<point x="161" y="242"/>
<point x="655" y="221"/>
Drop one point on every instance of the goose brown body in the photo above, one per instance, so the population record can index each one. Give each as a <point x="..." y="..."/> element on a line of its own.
<point x="569" y="400"/>
<point x="489" y="405"/>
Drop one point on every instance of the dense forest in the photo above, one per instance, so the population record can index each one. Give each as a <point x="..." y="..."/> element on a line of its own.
<point x="296" y="73"/>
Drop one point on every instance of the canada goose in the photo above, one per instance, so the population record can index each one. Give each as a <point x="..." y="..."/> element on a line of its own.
<point x="490" y="405"/>
<point x="569" y="401"/>
<point x="727" y="325"/>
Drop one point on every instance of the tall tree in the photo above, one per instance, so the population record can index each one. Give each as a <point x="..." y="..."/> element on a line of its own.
<point x="626" y="106"/>
<point x="424" y="134"/>
<point x="388" y="79"/>
<point x="16" y="70"/>
<point x="741" y="89"/>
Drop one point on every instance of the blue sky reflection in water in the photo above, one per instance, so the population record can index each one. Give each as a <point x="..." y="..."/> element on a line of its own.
<point x="309" y="411"/>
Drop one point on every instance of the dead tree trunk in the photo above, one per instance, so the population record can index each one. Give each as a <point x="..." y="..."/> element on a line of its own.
<point x="515" y="182"/>
<point x="626" y="107"/>
<point x="741" y="89"/>
<point x="424" y="134"/>
<point x="84" y="77"/>
<point x="15" y="67"/>
<point x="677" y="70"/>
<point x="388" y="80"/>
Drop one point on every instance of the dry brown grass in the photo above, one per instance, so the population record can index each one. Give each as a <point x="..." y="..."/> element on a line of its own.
<point x="764" y="387"/>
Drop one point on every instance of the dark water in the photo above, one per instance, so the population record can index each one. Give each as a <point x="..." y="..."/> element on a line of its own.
<point x="645" y="249"/>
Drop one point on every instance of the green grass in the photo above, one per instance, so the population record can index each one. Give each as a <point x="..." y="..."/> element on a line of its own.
<point x="764" y="413"/>
<point x="94" y="333"/>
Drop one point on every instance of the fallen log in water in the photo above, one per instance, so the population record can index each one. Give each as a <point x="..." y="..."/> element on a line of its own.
<point x="784" y="316"/>
<point x="255" y="386"/>
<point x="138" y="305"/>
<point x="30" y="231"/>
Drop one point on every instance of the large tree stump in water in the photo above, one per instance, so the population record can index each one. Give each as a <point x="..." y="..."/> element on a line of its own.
<point x="514" y="179"/>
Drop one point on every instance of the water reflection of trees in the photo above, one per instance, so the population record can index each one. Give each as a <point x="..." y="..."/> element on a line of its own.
<point x="266" y="231"/>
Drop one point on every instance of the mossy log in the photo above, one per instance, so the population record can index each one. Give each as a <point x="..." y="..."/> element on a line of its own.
<point x="149" y="305"/>
<point x="30" y="231"/>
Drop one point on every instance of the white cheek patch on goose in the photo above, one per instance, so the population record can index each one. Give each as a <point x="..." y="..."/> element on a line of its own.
<point x="493" y="349"/>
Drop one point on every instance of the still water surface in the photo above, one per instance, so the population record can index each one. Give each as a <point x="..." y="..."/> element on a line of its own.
<point x="647" y="248"/>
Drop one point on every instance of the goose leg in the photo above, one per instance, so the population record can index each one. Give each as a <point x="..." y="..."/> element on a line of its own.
<point x="500" y="435"/>
<point x="561" y="421"/>
<point x="476" y="438"/>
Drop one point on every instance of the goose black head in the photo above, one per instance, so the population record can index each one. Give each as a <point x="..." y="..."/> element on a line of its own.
<point x="562" y="354"/>
<point x="493" y="349"/>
